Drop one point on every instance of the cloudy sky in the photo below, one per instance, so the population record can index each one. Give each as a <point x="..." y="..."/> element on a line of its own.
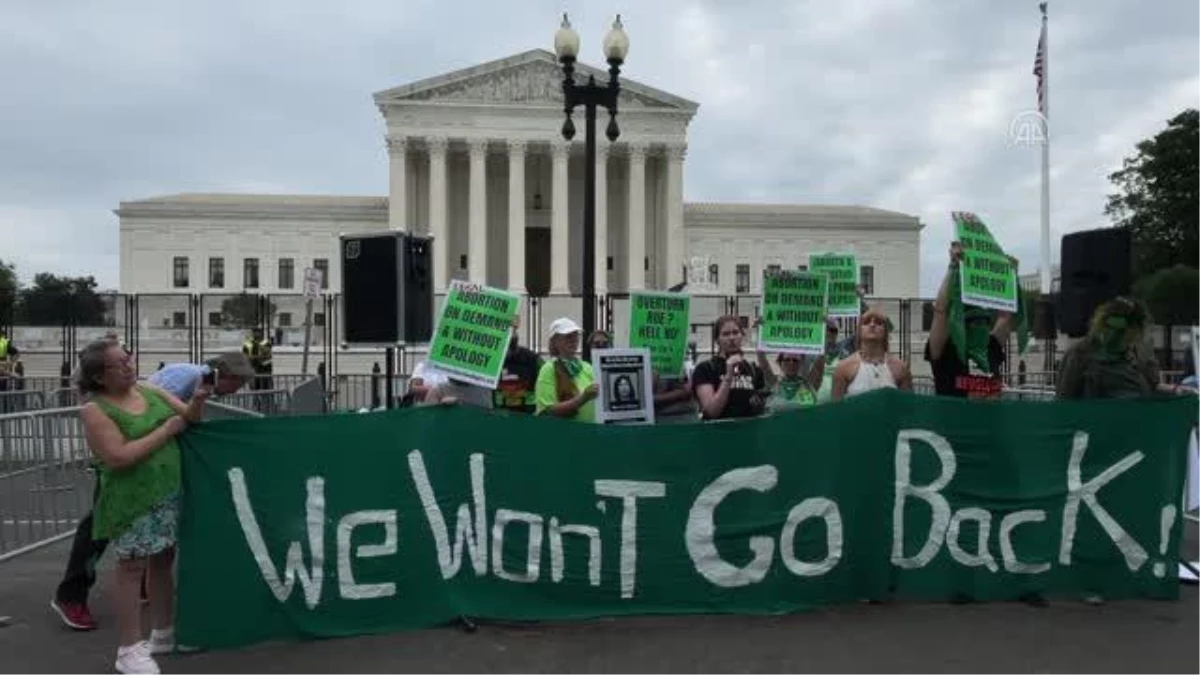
<point x="897" y="104"/>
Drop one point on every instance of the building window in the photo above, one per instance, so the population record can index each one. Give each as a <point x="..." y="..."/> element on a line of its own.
<point x="250" y="273"/>
<point x="287" y="273"/>
<point x="323" y="265"/>
<point x="179" y="320"/>
<point x="742" y="278"/>
<point x="714" y="274"/>
<point x="214" y="319"/>
<point x="216" y="273"/>
<point x="318" y="318"/>
<point x="285" y="319"/>
<point x="866" y="278"/>
<point x="609" y="263"/>
<point x="803" y="268"/>
<point x="646" y="264"/>
<point x="462" y="262"/>
<point x="181" y="272"/>
<point x="774" y="270"/>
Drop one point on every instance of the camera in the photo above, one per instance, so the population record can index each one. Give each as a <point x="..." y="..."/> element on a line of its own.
<point x="210" y="378"/>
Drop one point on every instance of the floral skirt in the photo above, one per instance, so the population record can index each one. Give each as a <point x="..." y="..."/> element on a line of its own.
<point x="152" y="533"/>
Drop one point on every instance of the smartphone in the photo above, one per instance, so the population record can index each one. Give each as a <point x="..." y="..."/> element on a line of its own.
<point x="210" y="378"/>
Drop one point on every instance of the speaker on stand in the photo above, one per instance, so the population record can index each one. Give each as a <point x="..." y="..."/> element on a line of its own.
<point x="1095" y="268"/>
<point x="387" y="294"/>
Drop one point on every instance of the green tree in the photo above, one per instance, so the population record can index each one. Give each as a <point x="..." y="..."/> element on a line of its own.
<point x="1157" y="197"/>
<point x="246" y="311"/>
<point x="9" y="288"/>
<point x="54" y="300"/>
<point x="1171" y="295"/>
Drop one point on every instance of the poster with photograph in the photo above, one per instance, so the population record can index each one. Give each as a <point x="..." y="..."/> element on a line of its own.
<point x="624" y="380"/>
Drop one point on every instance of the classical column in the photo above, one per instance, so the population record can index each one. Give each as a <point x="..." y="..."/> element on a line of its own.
<point x="477" y="220"/>
<point x="673" y="266"/>
<point x="559" y="218"/>
<point x="437" y="211"/>
<point x="516" y="216"/>
<point x="637" y="217"/>
<point x="601" y="218"/>
<point x="398" y="183"/>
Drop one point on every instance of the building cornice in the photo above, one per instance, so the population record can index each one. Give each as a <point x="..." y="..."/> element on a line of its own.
<point x="259" y="208"/>
<point x="732" y="217"/>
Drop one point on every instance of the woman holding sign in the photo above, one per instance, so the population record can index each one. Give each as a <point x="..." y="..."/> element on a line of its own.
<point x="871" y="367"/>
<point x="566" y="386"/>
<point x="729" y="386"/>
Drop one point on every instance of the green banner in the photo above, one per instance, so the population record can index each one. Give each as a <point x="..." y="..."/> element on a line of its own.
<point x="472" y="333"/>
<point x="842" y="269"/>
<point x="342" y="525"/>
<point x="793" y="306"/>
<point x="988" y="277"/>
<point x="659" y="322"/>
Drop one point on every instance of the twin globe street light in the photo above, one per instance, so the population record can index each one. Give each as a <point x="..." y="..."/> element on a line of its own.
<point x="590" y="96"/>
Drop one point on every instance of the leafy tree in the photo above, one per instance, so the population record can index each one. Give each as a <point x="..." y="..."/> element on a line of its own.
<point x="8" y="293"/>
<point x="54" y="300"/>
<point x="1157" y="197"/>
<point x="246" y="311"/>
<point x="1171" y="295"/>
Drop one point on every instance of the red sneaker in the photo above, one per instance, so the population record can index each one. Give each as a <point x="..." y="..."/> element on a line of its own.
<point x="74" y="615"/>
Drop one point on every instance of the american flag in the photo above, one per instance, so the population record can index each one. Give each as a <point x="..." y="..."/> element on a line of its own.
<point x="1039" y="67"/>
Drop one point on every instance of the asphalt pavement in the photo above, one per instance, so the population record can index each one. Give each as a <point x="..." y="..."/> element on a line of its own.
<point x="1066" y="636"/>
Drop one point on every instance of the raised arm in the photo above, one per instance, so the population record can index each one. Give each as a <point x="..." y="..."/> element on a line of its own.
<point x="939" y="330"/>
<point x="193" y="410"/>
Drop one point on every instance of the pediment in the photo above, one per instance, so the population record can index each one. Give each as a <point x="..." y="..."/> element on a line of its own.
<point x="532" y="78"/>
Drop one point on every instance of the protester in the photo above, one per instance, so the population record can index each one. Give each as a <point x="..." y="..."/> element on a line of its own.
<point x="515" y="392"/>
<point x="871" y="367"/>
<point x="600" y="339"/>
<point x="227" y="372"/>
<point x="792" y="388"/>
<point x="131" y="429"/>
<point x="566" y="385"/>
<point x="966" y="345"/>
<point x="729" y="386"/>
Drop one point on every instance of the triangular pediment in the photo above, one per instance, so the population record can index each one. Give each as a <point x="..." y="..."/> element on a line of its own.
<point x="530" y="78"/>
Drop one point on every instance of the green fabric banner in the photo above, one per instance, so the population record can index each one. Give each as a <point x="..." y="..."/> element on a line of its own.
<point x="659" y="322"/>
<point x="842" y="269"/>
<point x="473" y="332"/>
<point x="793" y="306"/>
<point x="988" y="277"/>
<point x="342" y="525"/>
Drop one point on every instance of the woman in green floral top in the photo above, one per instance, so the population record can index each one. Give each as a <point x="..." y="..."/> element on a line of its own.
<point x="131" y="429"/>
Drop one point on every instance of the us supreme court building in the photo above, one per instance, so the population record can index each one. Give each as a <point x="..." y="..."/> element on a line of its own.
<point x="477" y="161"/>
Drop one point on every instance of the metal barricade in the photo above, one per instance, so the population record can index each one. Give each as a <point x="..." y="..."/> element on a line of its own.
<point x="21" y="401"/>
<point x="45" y="478"/>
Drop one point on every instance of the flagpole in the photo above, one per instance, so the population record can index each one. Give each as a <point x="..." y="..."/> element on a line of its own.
<point x="1045" y="155"/>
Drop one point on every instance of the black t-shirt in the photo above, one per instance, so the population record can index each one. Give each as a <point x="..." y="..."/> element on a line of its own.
<point x="746" y="391"/>
<point x="952" y="377"/>
<point x="518" y="379"/>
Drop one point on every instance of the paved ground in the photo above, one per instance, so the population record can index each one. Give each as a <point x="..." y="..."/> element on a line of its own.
<point x="1134" y="636"/>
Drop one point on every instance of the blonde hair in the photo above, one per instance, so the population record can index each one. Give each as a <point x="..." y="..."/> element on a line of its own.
<point x="887" y="333"/>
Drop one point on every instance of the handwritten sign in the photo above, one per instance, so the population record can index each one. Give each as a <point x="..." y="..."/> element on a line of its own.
<point x="794" y="312"/>
<point x="988" y="277"/>
<point x="659" y="322"/>
<point x="473" y="332"/>
<point x="842" y="269"/>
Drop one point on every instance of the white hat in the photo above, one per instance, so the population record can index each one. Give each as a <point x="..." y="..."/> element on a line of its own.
<point x="564" y="326"/>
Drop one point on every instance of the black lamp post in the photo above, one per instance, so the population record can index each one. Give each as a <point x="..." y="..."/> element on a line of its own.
<point x="590" y="96"/>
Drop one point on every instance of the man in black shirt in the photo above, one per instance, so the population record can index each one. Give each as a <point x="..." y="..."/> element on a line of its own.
<point x="979" y="374"/>
<point x="515" y="390"/>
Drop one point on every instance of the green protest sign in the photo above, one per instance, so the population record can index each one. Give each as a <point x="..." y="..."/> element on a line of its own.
<point x="988" y="277"/>
<point x="472" y="333"/>
<point x="659" y="322"/>
<point x="793" y="306"/>
<point x="423" y="515"/>
<point x="842" y="269"/>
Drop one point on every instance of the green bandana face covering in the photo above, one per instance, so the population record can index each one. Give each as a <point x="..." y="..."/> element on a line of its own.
<point x="979" y="333"/>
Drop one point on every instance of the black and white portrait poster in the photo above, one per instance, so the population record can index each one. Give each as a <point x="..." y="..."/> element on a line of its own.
<point x="626" y="394"/>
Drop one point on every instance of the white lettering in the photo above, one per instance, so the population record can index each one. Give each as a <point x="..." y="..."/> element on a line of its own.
<point x="469" y="533"/>
<point x="815" y="507"/>
<point x="533" y="552"/>
<point x="701" y="529"/>
<point x="556" y="550"/>
<point x="1007" y="554"/>
<point x="1077" y="491"/>
<point x="628" y="492"/>
<point x="346" y="584"/>
<point x="981" y="557"/>
<point x="930" y="493"/>
<point x="293" y="568"/>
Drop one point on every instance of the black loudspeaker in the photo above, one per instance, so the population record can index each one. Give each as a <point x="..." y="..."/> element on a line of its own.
<point x="1095" y="267"/>
<point x="387" y="289"/>
<point x="1044" y="319"/>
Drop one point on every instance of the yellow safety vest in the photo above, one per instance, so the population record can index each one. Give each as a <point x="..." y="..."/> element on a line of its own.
<point x="253" y="350"/>
<point x="3" y="348"/>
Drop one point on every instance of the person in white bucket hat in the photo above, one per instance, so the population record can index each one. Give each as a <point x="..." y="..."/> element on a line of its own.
<point x="566" y="386"/>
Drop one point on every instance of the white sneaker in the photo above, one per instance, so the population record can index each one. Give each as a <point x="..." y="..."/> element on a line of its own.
<point x="136" y="659"/>
<point x="163" y="642"/>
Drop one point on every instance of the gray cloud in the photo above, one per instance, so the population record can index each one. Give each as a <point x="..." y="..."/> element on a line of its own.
<point x="898" y="104"/>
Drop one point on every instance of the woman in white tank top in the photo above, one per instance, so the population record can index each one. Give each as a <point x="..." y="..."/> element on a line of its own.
<point x="871" y="367"/>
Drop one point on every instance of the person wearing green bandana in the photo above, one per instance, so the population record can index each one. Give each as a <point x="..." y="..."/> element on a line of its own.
<point x="566" y="386"/>
<point x="793" y="388"/>
<point x="966" y="345"/>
